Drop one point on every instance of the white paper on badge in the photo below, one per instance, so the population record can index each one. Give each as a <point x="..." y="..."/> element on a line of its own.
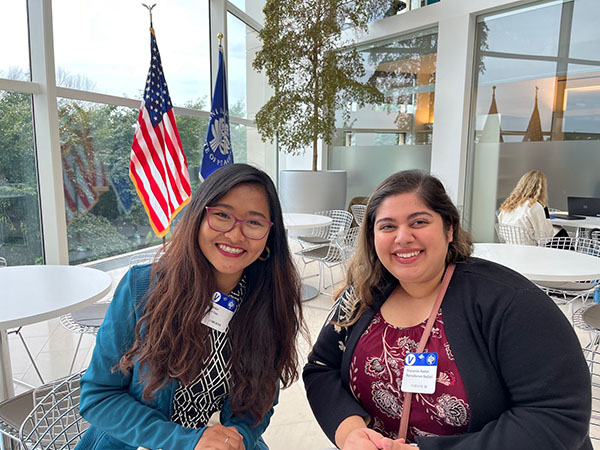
<point x="222" y="311"/>
<point x="420" y="373"/>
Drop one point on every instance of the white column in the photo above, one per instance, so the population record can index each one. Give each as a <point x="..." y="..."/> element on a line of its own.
<point x="452" y="101"/>
<point x="45" y="116"/>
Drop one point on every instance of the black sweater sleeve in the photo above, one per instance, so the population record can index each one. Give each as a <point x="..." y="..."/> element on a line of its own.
<point x="539" y="361"/>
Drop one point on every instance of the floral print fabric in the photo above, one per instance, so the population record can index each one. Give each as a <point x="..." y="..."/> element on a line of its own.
<point x="376" y="376"/>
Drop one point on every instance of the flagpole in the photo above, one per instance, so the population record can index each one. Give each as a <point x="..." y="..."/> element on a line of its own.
<point x="149" y="8"/>
<point x="220" y="38"/>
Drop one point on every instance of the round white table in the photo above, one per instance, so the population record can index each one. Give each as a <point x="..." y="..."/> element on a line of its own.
<point x="31" y="294"/>
<point x="542" y="263"/>
<point x="293" y="221"/>
<point x="296" y="221"/>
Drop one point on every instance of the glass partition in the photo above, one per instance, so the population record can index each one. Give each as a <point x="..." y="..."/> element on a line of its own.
<point x="536" y="100"/>
<point x="20" y="231"/>
<point x="380" y="139"/>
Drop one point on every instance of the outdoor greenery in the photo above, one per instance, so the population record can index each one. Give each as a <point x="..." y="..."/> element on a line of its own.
<point x="311" y="75"/>
<point x="106" y="132"/>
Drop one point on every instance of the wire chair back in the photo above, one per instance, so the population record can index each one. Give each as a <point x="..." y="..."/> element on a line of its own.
<point x="145" y="258"/>
<point x="55" y="423"/>
<point x="358" y="211"/>
<point x="511" y="234"/>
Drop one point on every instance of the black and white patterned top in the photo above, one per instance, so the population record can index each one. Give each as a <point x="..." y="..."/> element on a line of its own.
<point x="195" y="403"/>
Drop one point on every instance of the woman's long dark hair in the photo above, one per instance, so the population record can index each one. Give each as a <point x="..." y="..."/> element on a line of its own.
<point x="366" y="274"/>
<point x="170" y="341"/>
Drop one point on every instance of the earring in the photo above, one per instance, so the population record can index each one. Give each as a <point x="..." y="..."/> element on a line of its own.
<point x="264" y="257"/>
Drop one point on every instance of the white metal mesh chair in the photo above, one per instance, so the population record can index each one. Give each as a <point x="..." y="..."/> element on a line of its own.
<point x="341" y="221"/>
<point x="568" y="292"/>
<point x="17" y="331"/>
<point x="332" y="255"/>
<point x="358" y="211"/>
<point x="587" y="318"/>
<point x="14" y="411"/>
<point x="89" y="319"/>
<point x="84" y="321"/>
<point x="55" y="423"/>
<point x="145" y="258"/>
<point x="511" y="234"/>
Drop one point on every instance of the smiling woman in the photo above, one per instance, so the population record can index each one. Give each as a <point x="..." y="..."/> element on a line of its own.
<point x="403" y="371"/>
<point x="209" y="327"/>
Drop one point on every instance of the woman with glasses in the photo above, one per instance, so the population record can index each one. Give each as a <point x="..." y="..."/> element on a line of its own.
<point x="209" y="327"/>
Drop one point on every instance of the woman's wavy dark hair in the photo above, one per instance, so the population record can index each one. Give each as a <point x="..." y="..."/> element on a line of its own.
<point x="170" y="341"/>
<point x="366" y="273"/>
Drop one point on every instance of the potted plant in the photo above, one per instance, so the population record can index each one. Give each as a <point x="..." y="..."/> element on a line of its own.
<point x="311" y="70"/>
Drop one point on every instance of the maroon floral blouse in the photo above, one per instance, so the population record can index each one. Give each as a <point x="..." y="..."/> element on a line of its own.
<point x="376" y="375"/>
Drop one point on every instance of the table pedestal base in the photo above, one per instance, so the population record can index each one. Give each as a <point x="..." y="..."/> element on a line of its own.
<point x="308" y="292"/>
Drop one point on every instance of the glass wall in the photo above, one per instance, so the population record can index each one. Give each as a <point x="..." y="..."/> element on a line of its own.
<point x="14" y="58"/>
<point x="20" y="232"/>
<point x="536" y="104"/>
<point x="111" y="52"/>
<point x="396" y="134"/>
<point x="101" y="61"/>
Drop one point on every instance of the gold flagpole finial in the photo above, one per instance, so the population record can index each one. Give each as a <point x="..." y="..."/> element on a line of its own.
<point x="220" y="38"/>
<point x="149" y="8"/>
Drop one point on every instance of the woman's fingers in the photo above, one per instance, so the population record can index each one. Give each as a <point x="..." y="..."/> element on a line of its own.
<point x="219" y="437"/>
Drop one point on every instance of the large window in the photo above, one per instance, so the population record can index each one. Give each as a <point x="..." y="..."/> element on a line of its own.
<point x="14" y="52"/>
<point x="20" y="234"/>
<point x="105" y="47"/>
<point x="537" y="105"/>
<point x="396" y="134"/>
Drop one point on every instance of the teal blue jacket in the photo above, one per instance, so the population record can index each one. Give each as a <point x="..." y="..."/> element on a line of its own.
<point x="112" y="402"/>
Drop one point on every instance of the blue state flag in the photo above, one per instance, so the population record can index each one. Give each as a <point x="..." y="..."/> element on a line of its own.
<point x="217" y="147"/>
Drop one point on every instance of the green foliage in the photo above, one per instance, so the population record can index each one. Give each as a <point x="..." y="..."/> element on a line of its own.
<point x="311" y="75"/>
<point x="94" y="237"/>
<point x="105" y="130"/>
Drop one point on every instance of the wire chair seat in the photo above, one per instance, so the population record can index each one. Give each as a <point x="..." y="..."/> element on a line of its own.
<point x="568" y="292"/>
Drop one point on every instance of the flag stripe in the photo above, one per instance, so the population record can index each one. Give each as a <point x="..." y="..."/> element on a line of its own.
<point x="158" y="167"/>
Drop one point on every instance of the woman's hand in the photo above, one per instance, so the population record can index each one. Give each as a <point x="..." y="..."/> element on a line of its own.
<point x="398" y="444"/>
<point x="367" y="439"/>
<point x="219" y="437"/>
<point x="363" y="439"/>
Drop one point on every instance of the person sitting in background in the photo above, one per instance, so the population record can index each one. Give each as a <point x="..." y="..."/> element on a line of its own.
<point x="527" y="207"/>
<point x="510" y="372"/>
<point x="210" y="327"/>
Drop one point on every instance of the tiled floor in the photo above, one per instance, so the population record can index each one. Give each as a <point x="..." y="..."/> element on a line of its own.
<point x="293" y="426"/>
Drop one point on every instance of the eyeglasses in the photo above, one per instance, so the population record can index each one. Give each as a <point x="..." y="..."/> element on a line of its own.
<point x="224" y="221"/>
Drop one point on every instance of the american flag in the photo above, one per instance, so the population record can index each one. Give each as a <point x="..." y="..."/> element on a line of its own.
<point x="158" y="166"/>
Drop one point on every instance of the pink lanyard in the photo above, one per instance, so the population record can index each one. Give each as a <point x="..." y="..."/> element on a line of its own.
<point x="424" y="338"/>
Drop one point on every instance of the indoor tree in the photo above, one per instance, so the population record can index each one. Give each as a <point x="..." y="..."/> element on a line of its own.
<point x="312" y="69"/>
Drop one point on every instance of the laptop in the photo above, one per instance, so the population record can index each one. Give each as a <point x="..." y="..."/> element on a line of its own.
<point x="583" y="206"/>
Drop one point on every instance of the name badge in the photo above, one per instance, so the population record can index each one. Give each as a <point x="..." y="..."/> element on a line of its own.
<point x="222" y="311"/>
<point x="420" y="373"/>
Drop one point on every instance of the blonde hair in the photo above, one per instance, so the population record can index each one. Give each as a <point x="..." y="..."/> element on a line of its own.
<point x="531" y="188"/>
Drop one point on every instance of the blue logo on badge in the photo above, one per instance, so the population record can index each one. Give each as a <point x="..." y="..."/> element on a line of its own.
<point x="225" y="301"/>
<point x="421" y="359"/>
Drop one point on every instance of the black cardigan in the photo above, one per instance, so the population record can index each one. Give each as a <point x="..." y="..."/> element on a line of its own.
<point x="527" y="383"/>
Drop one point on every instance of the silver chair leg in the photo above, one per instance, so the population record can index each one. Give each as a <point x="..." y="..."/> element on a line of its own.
<point x="75" y="355"/>
<point x="30" y="355"/>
